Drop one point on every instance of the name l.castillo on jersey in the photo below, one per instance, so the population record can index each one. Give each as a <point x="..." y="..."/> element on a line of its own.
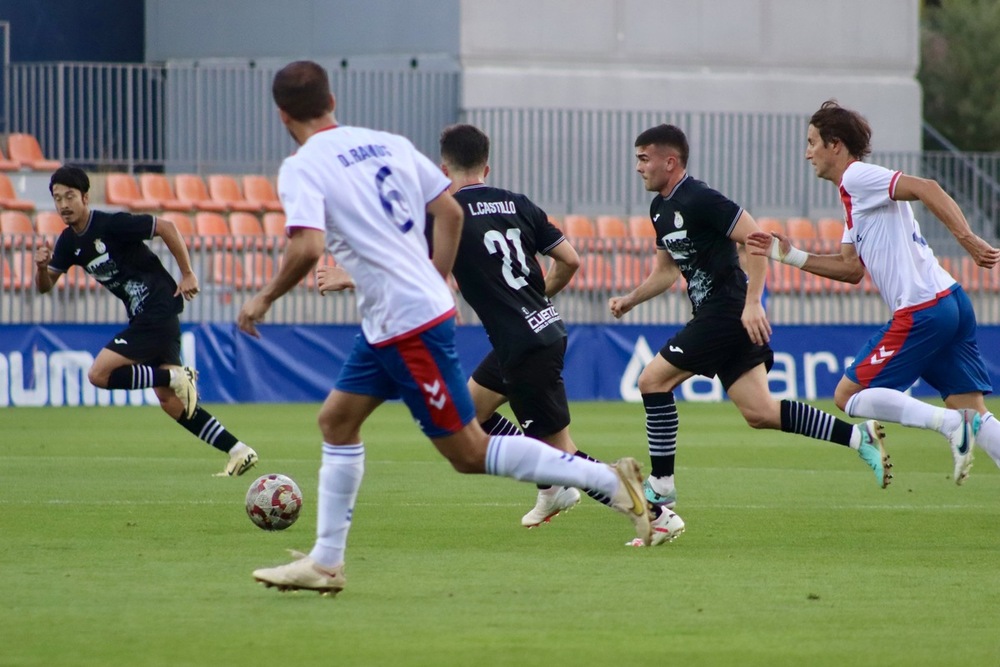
<point x="492" y="208"/>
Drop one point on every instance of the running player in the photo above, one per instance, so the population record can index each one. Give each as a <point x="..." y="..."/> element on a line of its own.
<point x="697" y="230"/>
<point x="110" y="246"/>
<point x="364" y="195"/>
<point x="932" y="333"/>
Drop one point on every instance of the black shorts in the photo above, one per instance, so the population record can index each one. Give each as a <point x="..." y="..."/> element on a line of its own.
<point x="714" y="343"/>
<point x="533" y="385"/>
<point x="156" y="342"/>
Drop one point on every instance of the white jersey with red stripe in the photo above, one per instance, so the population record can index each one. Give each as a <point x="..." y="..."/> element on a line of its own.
<point x="368" y="191"/>
<point x="887" y="238"/>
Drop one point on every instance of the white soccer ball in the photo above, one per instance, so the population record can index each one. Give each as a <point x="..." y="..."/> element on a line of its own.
<point x="274" y="501"/>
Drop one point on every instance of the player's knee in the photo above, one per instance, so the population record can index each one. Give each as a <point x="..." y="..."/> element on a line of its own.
<point x="98" y="378"/>
<point x="757" y="420"/>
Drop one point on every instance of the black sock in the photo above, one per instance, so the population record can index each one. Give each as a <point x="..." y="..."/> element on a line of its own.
<point x="596" y="495"/>
<point x="208" y="428"/>
<point x="137" y="376"/>
<point x="497" y="424"/>
<point x="806" y="420"/>
<point x="661" y="431"/>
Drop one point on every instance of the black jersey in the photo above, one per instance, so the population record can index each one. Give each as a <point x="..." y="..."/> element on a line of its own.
<point x="112" y="250"/>
<point x="497" y="271"/>
<point x="693" y="224"/>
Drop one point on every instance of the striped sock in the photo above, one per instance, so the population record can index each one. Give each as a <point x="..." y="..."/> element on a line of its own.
<point x="497" y="424"/>
<point x="602" y="498"/>
<point x="806" y="420"/>
<point x="208" y="428"/>
<point x="661" y="431"/>
<point x="138" y="376"/>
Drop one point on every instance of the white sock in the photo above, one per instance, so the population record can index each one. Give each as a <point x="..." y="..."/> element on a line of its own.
<point x="239" y="448"/>
<point x="339" y="480"/>
<point x="988" y="438"/>
<point x="527" y="459"/>
<point x="662" y="485"/>
<point x="895" y="406"/>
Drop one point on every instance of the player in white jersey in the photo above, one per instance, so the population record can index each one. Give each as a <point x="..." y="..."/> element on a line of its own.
<point x="364" y="195"/>
<point x="932" y="333"/>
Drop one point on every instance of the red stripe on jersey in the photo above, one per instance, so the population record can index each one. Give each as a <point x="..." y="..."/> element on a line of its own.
<point x="892" y="185"/>
<point x="845" y="197"/>
<point x="891" y="343"/>
<point x="419" y="330"/>
<point x="425" y="371"/>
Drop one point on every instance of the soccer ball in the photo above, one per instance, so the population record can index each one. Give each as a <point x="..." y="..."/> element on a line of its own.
<point x="274" y="501"/>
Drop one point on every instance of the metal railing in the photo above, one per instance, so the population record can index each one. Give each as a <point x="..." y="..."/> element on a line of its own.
<point x="230" y="270"/>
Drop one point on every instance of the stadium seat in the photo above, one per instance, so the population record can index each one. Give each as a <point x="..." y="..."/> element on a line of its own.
<point x="274" y="224"/>
<point x="182" y="221"/>
<point x="7" y="164"/>
<point x="24" y="149"/>
<point x="16" y="229"/>
<point x="227" y="270"/>
<point x="611" y="226"/>
<point x="157" y="187"/>
<point x="258" y="189"/>
<point x="801" y="229"/>
<point x="223" y="188"/>
<point x="831" y="234"/>
<point x="246" y="230"/>
<point x="212" y="230"/>
<point x="641" y="227"/>
<point x="18" y="269"/>
<point x="595" y="273"/>
<point x="49" y="224"/>
<point x="9" y="198"/>
<point x="258" y="269"/>
<point x="191" y="189"/>
<point x="579" y="230"/>
<point x="771" y="225"/>
<point x="630" y="270"/>
<point x="122" y="190"/>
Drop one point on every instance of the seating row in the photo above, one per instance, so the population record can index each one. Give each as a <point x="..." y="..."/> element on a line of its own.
<point x="188" y="193"/>
<point x="24" y="152"/>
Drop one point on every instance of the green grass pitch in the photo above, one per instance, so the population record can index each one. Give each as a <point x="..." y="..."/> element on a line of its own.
<point x="118" y="547"/>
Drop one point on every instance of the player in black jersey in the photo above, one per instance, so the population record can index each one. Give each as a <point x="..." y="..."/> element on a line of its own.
<point x="111" y="248"/>
<point x="697" y="230"/>
<point x="499" y="275"/>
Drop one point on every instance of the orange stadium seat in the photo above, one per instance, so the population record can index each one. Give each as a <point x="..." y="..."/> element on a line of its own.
<point x="182" y="221"/>
<point x="831" y="234"/>
<point x="595" y="273"/>
<point x="274" y="224"/>
<point x="9" y="198"/>
<point x="610" y="226"/>
<point x="18" y="269"/>
<point x="246" y="230"/>
<point x="157" y="187"/>
<point x="258" y="190"/>
<point x="222" y="188"/>
<point x="212" y="230"/>
<point x="24" y="148"/>
<point x="227" y="270"/>
<point x="630" y="270"/>
<point x="7" y="164"/>
<point x="801" y="229"/>
<point x="122" y="190"/>
<point x="191" y="189"/>
<point x="16" y="228"/>
<point x="641" y="227"/>
<point x="258" y="269"/>
<point x="771" y="225"/>
<point x="49" y="224"/>
<point x="578" y="227"/>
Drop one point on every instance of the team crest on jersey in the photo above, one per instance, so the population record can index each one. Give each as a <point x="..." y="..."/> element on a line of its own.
<point x="99" y="246"/>
<point x="678" y="220"/>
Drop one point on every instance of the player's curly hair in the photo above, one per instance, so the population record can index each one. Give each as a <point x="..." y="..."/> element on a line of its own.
<point x="835" y="123"/>
<point x="465" y="146"/>
<point x="666" y="135"/>
<point x="302" y="90"/>
<point x="71" y="177"/>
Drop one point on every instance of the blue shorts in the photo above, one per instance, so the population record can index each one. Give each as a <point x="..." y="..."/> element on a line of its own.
<point x="936" y="343"/>
<point x="423" y="369"/>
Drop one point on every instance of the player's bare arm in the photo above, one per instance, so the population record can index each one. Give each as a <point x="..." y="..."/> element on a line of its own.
<point x="45" y="278"/>
<point x="333" y="279"/>
<point x="845" y="267"/>
<point x="305" y="247"/>
<point x="167" y="230"/>
<point x="565" y="264"/>
<point x="754" y="318"/>
<point x="664" y="274"/>
<point x="448" y="219"/>
<point x="941" y="204"/>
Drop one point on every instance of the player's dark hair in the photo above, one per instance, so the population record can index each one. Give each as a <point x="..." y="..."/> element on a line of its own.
<point x="71" y="177"/>
<point x="835" y="123"/>
<point x="665" y="135"/>
<point x="302" y="90"/>
<point x="465" y="146"/>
